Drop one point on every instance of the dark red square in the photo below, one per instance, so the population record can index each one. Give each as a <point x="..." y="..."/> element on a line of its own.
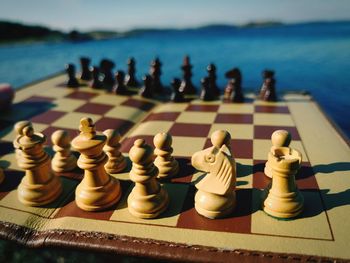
<point x="94" y="108"/>
<point x="39" y="99"/>
<point x="81" y="95"/>
<point x="140" y="104"/>
<point x="265" y="132"/>
<point x="162" y="116"/>
<point x="203" y="108"/>
<point x="129" y="142"/>
<point x="233" y="118"/>
<point x="122" y="126"/>
<point x="271" y="109"/>
<point x="51" y="129"/>
<point x="186" y="171"/>
<point x="238" y="222"/>
<point x="190" y="129"/>
<point x="260" y="180"/>
<point x="48" y="117"/>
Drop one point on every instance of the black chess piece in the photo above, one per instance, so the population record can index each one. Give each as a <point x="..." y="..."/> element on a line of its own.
<point x="119" y="86"/>
<point x="130" y="79"/>
<point x="155" y="73"/>
<point x="72" y="80"/>
<point x="147" y="88"/>
<point x="233" y="90"/>
<point x="187" y="86"/>
<point x="86" y="73"/>
<point x="96" y="82"/>
<point x="177" y="95"/>
<point x="212" y="79"/>
<point x="207" y="93"/>
<point x="108" y="80"/>
<point x="268" y="90"/>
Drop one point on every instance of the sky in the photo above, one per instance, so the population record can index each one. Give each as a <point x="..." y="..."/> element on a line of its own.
<point x="128" y="14"/>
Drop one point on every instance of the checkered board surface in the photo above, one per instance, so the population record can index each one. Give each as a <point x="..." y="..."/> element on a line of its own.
<point x="323" y="229"/>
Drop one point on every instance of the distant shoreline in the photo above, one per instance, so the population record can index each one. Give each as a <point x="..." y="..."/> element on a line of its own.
<point x="18" y="33"/>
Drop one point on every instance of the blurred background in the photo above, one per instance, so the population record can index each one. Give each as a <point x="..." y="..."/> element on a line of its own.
<point x="306" y="42"/>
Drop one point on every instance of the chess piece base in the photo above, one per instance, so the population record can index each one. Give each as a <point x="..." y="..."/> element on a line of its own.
<point x="98" y="198"/>
<point x="283" y="206"/>
<point x="150" y="206"/>
<point x="214" y="206"/>
<point x="39" y="194"/>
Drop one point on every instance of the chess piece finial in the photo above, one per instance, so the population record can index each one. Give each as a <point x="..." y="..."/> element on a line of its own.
<point x="116" y="161"/>
<point x="147" y="199"/>
<point x="221" y="137"/>
<point x="279" y="138"/>
<point x="63" y="160"/>
<point x="167" y="165"/>
<point x="39" y="186"/>
<point x="216" y="195"/>
<point x="72" y="80"/>
<point x="283" y="197"/>
<point x="98" y="190"/>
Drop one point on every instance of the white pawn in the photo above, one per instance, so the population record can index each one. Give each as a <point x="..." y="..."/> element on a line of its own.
<point x="279" y="138"/>
<point x="116" y="161"/>
<point x="63" y="160"/>
<point x="166" y="164"/>
<point x="147" y="199"/>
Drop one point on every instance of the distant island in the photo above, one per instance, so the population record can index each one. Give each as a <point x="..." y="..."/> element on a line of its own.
<point x="13" y="32"/>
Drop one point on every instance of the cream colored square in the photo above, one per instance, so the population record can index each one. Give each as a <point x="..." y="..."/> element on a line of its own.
<point x="126" y="113"/>
<point x="273" y="119"/>
<point x="236" y="108"/>
<point x="56" y="92"/>
<point x="151" y="128"/>
<point x="170" y="107"/>
<point x="187" y="146"/>
<point x="48" y="211"/>
<point x="196" y="117"/>
<point x="177" y="194"/>
<point x="109" y="99"/>
<point x="262" y="147"/>
<point x="72" y="120"/>
<point x="237" y="131"/>
<point x="270" y="103"/>
<point x="201" y="102"/>
<point x="67" y="105"/>
<point x="10" y="135"/>
<point x="315" y="226"/>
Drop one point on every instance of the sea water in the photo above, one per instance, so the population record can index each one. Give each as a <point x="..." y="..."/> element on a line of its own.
<point x="313" y="57"/>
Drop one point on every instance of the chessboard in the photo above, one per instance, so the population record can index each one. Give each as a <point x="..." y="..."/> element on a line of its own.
<point x="322" y="231"/>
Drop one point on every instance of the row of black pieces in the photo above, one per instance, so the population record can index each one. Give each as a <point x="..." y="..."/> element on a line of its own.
<point x="152" y="82"/>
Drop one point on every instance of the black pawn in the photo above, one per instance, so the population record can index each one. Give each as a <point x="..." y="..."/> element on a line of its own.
<point x="72" y="80"/>
<point x="207" y="93"/>
<point x="106" y="67"/>
<point x="86" y="73"/>
<point x="187" y="86"/>
<point x="147" y="88"/>
<point x="96" y="82"/>
<point x="211" y="69"/>
<point x="177" y="95"/>
<point x="130" y="79"/>
<point x="156" y="72"/>
<point x="119" y="87"/>
<point x="268" y="90"/>
<point x="233" y="89"/>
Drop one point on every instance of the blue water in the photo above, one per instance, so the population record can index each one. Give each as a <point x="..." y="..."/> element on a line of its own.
<point x="313" y="57"/>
